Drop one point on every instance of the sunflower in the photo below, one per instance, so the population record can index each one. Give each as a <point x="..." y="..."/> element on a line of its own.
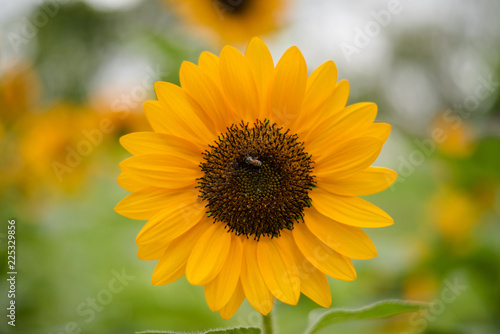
<point x="53" y="148"/>
<point x="232" y="20"/>
<point x="457" y="139"/>
<point x="19" y="91"/>
<point x="250" y="179"/>
<point x="456" y="213"/>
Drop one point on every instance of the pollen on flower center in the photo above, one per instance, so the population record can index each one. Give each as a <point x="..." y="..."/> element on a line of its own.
<point x="256" y="179"/>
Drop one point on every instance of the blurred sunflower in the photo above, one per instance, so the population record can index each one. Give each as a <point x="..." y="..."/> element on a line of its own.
<point x="457" y="137"/>
<point x="19" y="91"/>
<point x="456" y="213"/>
<point x="251" y="176"/>
<point x="125" y="122"/>
<point x="232" y="20"/>
<point x="53" y="148"/>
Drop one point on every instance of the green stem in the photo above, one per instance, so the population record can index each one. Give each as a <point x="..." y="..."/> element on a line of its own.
<point x="267" y="324"/>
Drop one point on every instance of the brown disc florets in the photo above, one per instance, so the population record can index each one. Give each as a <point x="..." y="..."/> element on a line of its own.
<point x="257" y="179"/>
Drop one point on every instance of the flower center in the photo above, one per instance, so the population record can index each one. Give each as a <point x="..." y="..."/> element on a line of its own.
<point x="234" y="6"/>
<point x="256" y="179"/>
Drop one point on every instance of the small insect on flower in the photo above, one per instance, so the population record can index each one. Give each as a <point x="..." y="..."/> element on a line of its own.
<point x="253" y="161"/>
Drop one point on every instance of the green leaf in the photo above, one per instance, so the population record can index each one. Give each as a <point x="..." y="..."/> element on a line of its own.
<point x="382" y="309"/>
<point x="249" y="330"/>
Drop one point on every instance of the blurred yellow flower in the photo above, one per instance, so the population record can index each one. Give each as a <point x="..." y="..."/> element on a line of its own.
<point x="19" y="91"/>
<point x="2" y="130"/>
<point x="233" y="20"/>
<point x="125" y="118"/>
<point x="54" y="147"/>
<point x="457" y="136"/>
<point x="455" y="213"/>
<point x="125" y="122"/>
<point x="250" y="180"/>
<point x="422" y="285"/>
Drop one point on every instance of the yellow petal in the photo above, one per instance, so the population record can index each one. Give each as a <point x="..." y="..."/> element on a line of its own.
<point x="333" y="186"/>
<point x="344" y="126"/>
<point x="313" y="283"/>
<point x="278" y="268"/>
<point x="219" y="291"/>
<point x="179" y="103"/>
<point x="175" y="115"/>
<point x="261" y="62"/>
<point x="172" y="276"/>
<point x="335" y="104"/>
<point x="352" y="120"/>
<point x="321" y="256"/>
<point x="378" y="130"/>
<point x="144" y="203"/>
<point x="256" y="291"/>
<point x="320" y="86"/>
<point x="208" y="255"/>
<point x="347" y="240"/>
<point x="349" y="210"/>
<point x="127" y="182"/>
<point x="158" y="118"/>
<point x="151" y="252"/>
<point x="369" y="181"/>
<point x="210" y="63"/>
<point x="162" y="170"/>
<point x="182" y="211"/>
<point x="206" y="93"/>
<point x="315" y="286"/>
<point x="153" y="142"/>
<point x="234" y="303"/>
<point x="339" y="98"/>
<point x="287" y="88"/>
<point x="176" y="255"/>
<point x="315" y="121"/>
<point x="346" y="159"/>
<point x="238" y="84"/>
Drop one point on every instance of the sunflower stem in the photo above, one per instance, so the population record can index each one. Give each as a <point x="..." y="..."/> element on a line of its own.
<point x="267" y="324"/>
